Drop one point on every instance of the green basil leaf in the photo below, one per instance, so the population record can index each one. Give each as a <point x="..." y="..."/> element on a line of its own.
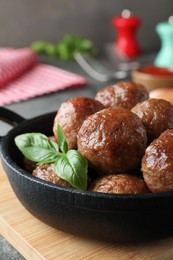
<point x="61" y="140"/>
<point x="72" y="167"/>
<point x="37" y="147"/>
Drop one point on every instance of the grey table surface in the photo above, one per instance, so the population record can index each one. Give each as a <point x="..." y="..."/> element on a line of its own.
<point x="41" y="105"/>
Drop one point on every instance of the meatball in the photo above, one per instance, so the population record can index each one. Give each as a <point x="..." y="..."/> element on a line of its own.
<point x="119" y="184"/>
<point x="28" y="165"/>
<point x="156" y="116"/>
<point x="123" y="94"/>
<point x="157" y="163"/>
<point x="52" y="138"/>
<point x="113" y="139"/>
<point x="46" y="172"/>
<point x="71" y="115"/>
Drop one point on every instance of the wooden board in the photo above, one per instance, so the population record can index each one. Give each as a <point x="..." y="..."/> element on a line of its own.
<point x="35" y="240"/>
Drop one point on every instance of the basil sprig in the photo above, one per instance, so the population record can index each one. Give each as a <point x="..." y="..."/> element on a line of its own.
<point x="37" y="147"/>
<point x="69" y="165"/>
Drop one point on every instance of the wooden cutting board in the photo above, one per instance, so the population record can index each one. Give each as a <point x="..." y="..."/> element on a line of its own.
<point x="35" y="240"/>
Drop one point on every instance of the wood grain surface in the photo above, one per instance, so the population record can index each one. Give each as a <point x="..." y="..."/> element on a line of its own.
<point x="35" y="240"/>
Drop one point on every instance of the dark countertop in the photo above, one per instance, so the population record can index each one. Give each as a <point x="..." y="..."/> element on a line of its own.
<point x="7" y="252"/>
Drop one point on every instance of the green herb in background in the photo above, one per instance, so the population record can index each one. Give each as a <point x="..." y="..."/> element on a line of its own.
<point x="66" y="48"/>
<point x="69" y="165"/>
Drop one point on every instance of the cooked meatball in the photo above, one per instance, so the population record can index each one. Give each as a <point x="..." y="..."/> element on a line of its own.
<point x="71" y="115"/>
<point x="52" y="138"/>
<point x="157" y="164"/>
<point x="112" y="140"/>
<point x="28" y="165"/>
<point x="46" y="172"/>
<point x="156" y="116"/>
<point x="123" y="94"/>
<point x="119" y="184"/>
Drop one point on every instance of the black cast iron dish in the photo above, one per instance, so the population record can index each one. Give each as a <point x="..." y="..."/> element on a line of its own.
<point x="100" y="216"/>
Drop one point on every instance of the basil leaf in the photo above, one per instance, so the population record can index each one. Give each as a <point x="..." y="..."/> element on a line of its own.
<point x="61" y="140"/>
<point x="73" y="168"/>
<point x="37" y="147"/>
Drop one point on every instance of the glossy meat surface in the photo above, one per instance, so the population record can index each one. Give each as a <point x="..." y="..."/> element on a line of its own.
<point x="112" y="140"/>
<point x="119" y="184"/>
<point x="71" y="115"/>
<point x="123" y="94"/>
<point x="46" y="172"/>
<point x="156" y="115"/>
<point x="157" y="164"/>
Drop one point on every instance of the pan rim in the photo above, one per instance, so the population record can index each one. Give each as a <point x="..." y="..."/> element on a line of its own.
<point x="5" y="158"/>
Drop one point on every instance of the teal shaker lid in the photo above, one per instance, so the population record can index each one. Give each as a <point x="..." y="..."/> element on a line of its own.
<point x="164" y="28"/>
<point x="164" y="58"/>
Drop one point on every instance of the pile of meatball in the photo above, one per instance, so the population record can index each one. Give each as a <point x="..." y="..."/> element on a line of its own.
<point x="126" y="137"/>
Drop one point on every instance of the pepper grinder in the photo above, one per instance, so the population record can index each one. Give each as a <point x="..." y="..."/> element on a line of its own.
<point x="126" y="26"/>
<point x="164" y="58"/>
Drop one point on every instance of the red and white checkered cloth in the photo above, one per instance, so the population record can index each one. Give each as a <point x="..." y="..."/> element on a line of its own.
<point x="22" y="77"/>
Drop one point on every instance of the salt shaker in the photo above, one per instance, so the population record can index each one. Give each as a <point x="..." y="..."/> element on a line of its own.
<point x="164" y="58"/>
<point x="126" y="26"/>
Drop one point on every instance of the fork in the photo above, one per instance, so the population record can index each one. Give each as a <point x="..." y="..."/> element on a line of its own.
<point x="97" y="71"/>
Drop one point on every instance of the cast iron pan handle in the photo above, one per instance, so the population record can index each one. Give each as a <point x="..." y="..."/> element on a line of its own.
<point x="10" y="117"/>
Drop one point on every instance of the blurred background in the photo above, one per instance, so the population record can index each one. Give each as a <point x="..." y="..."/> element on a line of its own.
<point x="25" y="21"/>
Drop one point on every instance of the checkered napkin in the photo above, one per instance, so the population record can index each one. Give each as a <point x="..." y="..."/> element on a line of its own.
<point x="22" y="77"/>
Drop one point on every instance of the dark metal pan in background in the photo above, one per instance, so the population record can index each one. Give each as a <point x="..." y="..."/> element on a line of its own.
<point x="109" y="217"/>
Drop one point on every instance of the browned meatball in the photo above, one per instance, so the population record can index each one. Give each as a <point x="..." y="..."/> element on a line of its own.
<point x="52" y="138"/>
<point x="28" y="165"/>
<point x="46" y="172"/>
<point x="123" y="94"/>
<point x="113" y="139"/>
<point x="71" y="115"/>
<point x="156" y="115"/>
<point x="119" y="184"/>
<point x="157" y="164"/>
